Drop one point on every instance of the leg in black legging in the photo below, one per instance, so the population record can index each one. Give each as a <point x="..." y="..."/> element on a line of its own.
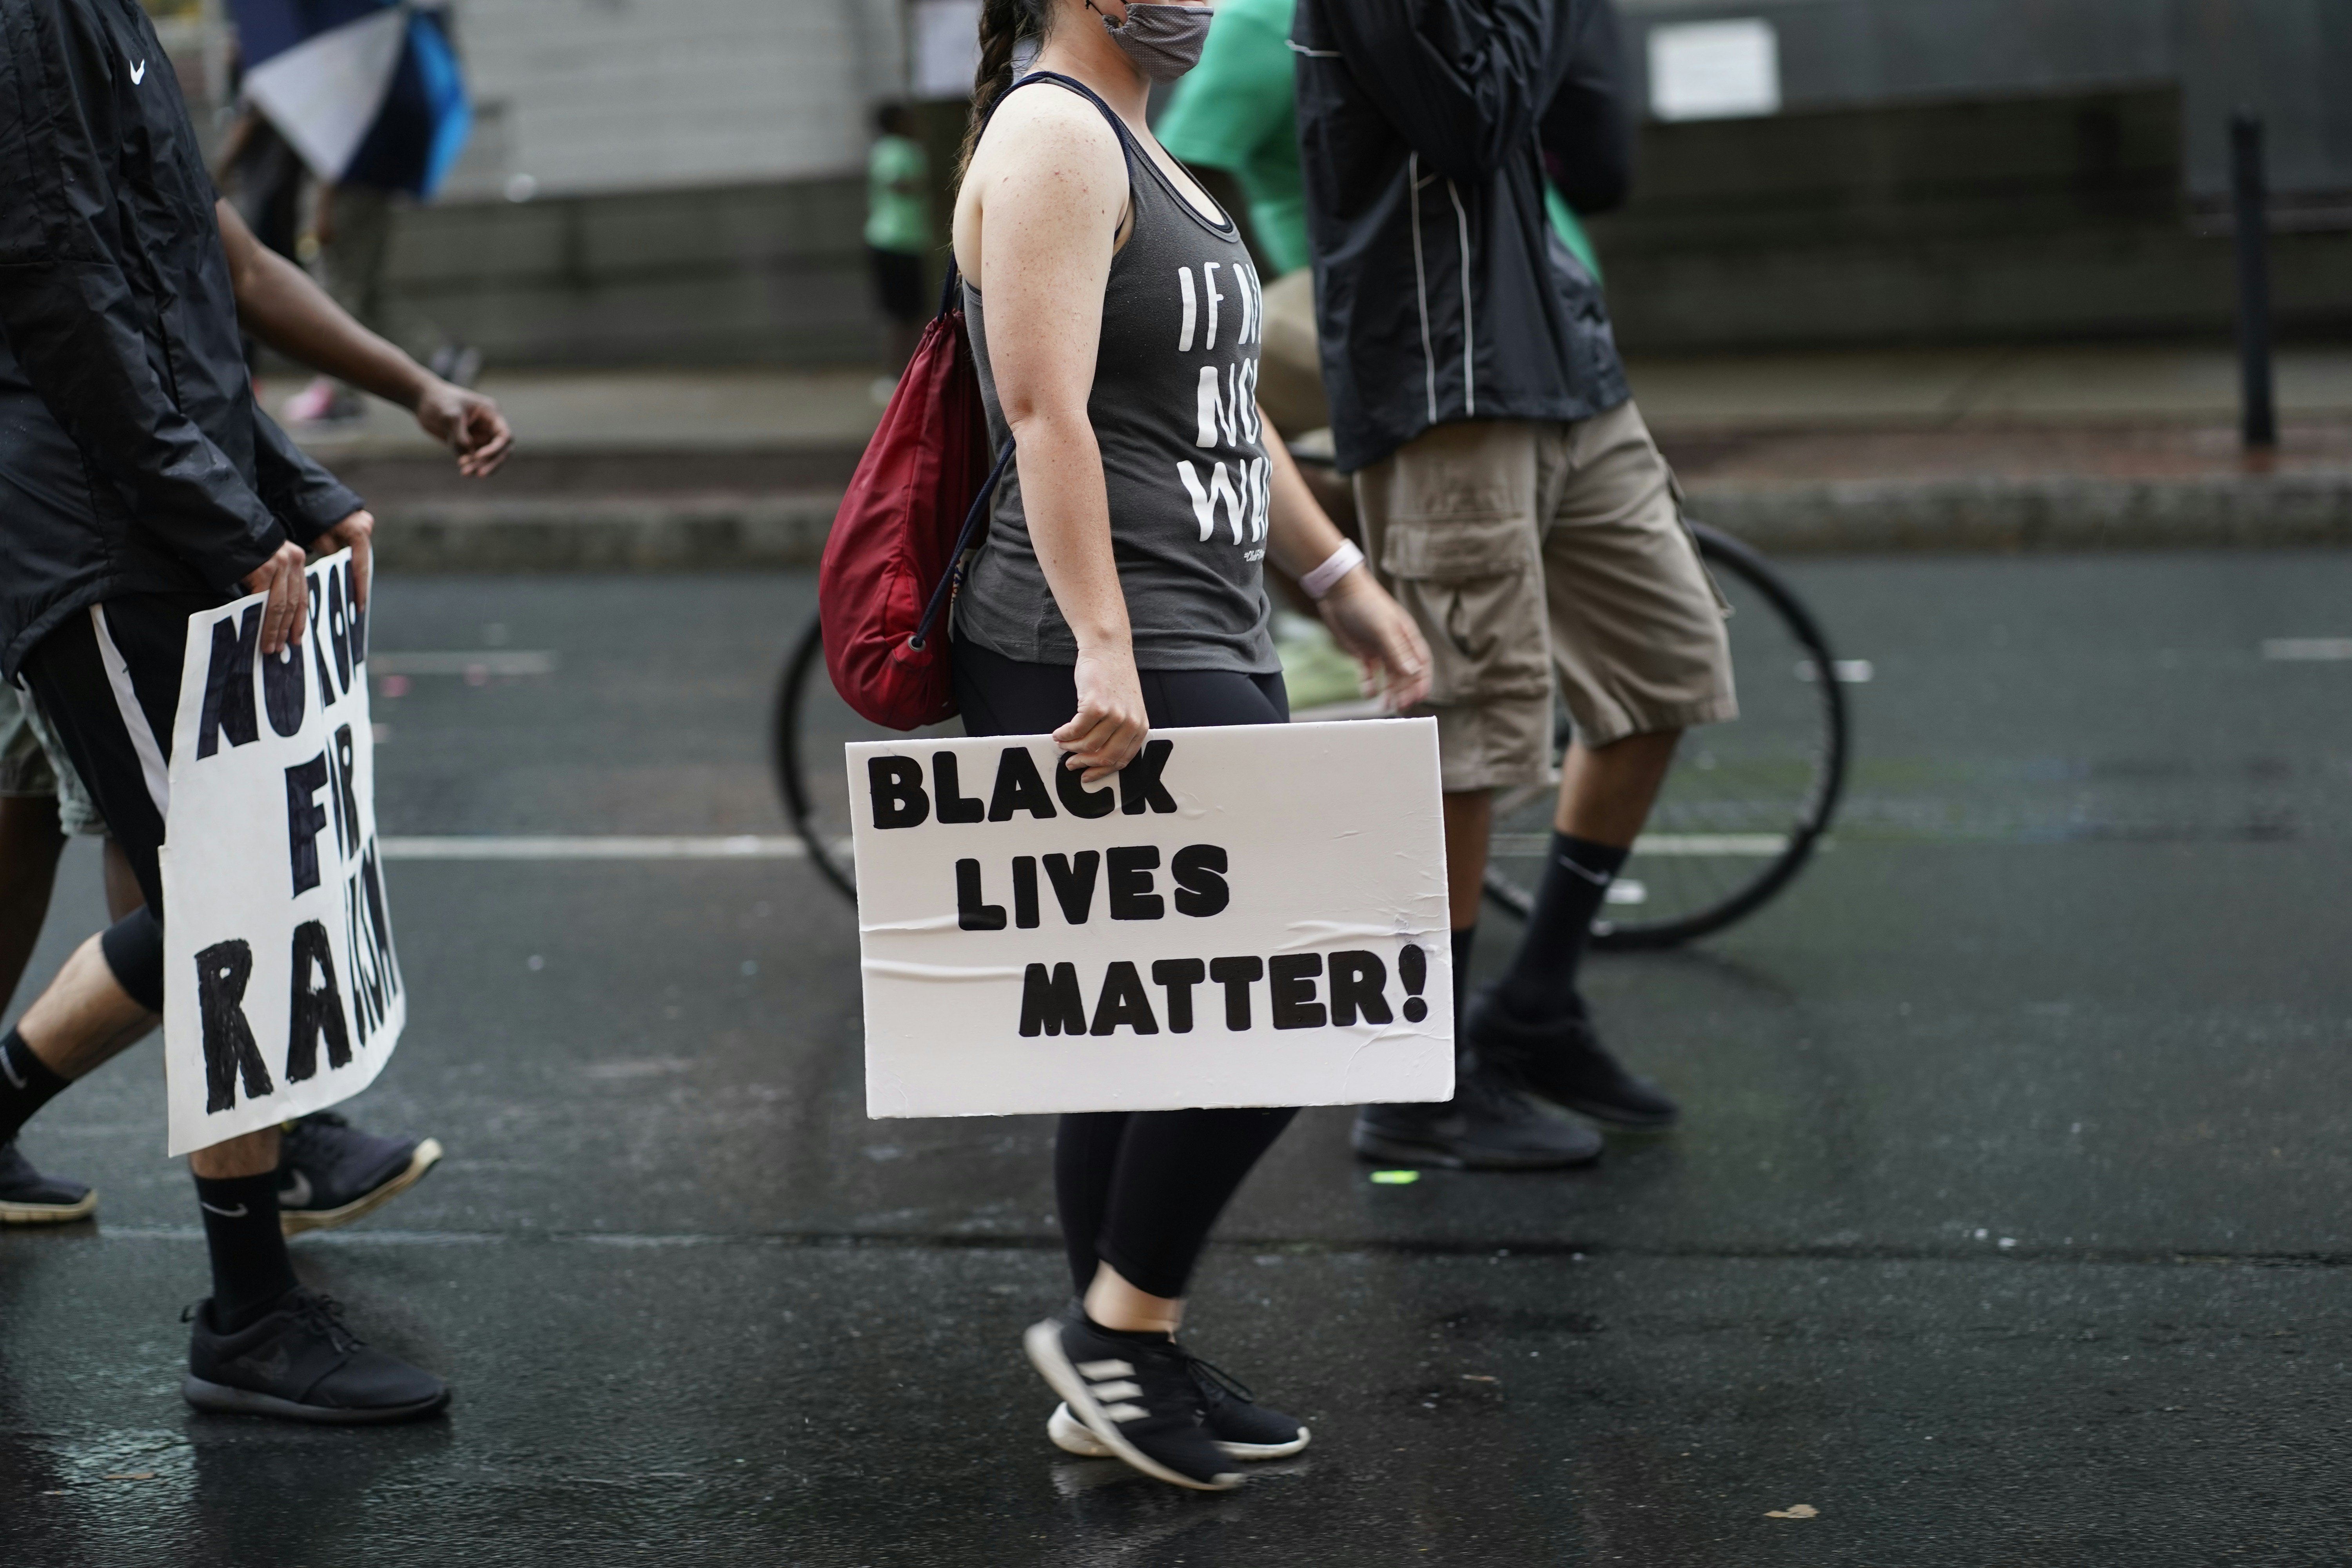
<point x="1175" y="1173"/>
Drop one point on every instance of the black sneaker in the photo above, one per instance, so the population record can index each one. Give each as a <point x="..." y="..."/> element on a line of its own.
<point x="300" y="1363"/>
<point x="329" y="1172"/>
<point x="1485" y="1127"/>
<point x="1243" y="1428"/>
<point x="28" y="1197"/>
<point x="1137" y="1397"/>
<point x="1563" y="1061"/>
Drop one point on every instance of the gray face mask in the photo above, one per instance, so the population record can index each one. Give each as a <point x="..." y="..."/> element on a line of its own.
<point x="1163" y="42"/>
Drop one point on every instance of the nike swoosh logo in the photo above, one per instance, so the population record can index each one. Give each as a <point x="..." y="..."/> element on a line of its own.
<point x="237" y="1213"/>
<point x="139" y="73"/>
<point x="1595" y="877"/>
<point x="294" y="1192"/>
<point x="9" y="1068"/>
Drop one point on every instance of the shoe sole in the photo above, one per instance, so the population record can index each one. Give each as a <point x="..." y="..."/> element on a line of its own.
<point x="1067" y="1432"/>
<point x="294" y="1221"/>
<point x="1043" y="1343"/>
<point x="220" y="1399"/>
<point x="48" y="1214"/>
<point x="1379" y="1146"/>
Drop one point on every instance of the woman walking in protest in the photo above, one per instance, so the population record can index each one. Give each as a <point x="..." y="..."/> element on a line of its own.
<point x="1121" y="590"/>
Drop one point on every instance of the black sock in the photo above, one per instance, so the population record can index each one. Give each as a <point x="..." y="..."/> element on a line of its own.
<point x="250" y="1265"/>
<point x="1541" y="983"/>
<point x="26" y="1084"/>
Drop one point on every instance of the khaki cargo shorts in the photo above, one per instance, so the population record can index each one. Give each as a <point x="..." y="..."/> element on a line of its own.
<point x="1530" y="550"/>
<point x="33" y="762"/>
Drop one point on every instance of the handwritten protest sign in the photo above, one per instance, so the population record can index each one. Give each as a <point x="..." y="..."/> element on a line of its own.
<point x="1252" y="915"/>
<point x="281" y="993"/>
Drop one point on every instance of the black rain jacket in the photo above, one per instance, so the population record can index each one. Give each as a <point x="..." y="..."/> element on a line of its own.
<point x="132" y="456"/>
<point x="1441" y="292"/>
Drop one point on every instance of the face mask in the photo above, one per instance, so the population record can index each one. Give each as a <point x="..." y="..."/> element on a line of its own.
<point x="1163" y="42"/>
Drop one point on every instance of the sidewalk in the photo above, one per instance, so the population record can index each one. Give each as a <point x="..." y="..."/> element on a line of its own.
<point x="2053" y="447"/>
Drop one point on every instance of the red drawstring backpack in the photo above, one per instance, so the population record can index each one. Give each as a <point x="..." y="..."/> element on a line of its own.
<point x="893" y="559"/>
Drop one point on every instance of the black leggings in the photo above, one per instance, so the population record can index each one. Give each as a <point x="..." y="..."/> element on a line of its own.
<point x="1137" y="1189"/>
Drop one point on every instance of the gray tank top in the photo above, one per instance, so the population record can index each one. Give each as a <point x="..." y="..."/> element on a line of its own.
<point x="1174" y="408"/>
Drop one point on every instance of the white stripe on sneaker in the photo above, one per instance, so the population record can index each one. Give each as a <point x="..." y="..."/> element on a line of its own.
<point x="1096" y="1370"/>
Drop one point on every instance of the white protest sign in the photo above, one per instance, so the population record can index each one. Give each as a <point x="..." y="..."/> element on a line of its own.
<point x="1247" y="915"/>
<point x="281" y="993"/>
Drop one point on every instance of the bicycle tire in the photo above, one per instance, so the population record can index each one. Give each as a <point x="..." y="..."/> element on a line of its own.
<point x="1818" y="803"/>
<point x="806" y="663"/>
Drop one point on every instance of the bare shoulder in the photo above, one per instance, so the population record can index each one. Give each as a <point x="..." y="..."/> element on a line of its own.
<point x="1048" y="138"/>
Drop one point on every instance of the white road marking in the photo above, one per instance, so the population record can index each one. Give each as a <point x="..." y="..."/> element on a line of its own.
<point x="1849" y="672"/>
<point x="489" y="660"/>
<point x="1684" y="845"/>
<point x="739" y="846"/>
<point x="2307" y="650"/>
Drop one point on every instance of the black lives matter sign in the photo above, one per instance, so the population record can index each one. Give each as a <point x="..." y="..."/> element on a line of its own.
<point x="282" y="987"/>
<point x="1245" y="916"/>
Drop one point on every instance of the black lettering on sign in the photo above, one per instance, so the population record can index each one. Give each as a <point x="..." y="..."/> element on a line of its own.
<point x="972" y="913"/>
<point x="347" y="793"/>
<point x="1290" y="990"/>
<point x="1131" y="898"/>
<point x="228" y="685"/>
<point x="1070" y="784"/>
<point x="1413" y="968"/>
<point x="1359" y="981"/>
<point x="304" y="817"/>
<point x="1123" y="1001"/>
<point x="1236" y="975"/>
<point x="1198" y="871"/>
<point x="1052" y="1005"/>
<point x="339" y="630"/>
<point x="1073" y="877"/>
<point x="315" y="1008"/>
<point x="1178" y="976"/>
<point x="897" y="786"/>
<point x="1024" y="891"/>
<point x="318" y="607"/>
<point x="367" y="987"/>
<point x="1018" y="787"/>
<point x="230" y="1052"/>
<point x="372" y="879"/>
<point x="1138" y="782"/>
<point x="283" y="688"/>
<point x="954" y="804"/>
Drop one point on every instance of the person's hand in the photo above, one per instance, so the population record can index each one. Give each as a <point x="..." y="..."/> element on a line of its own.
<point x="468" y="423"/>
<point x="288" y="609"/>
<point x="1366" y="622"/>
<point x="1109" y="726"/>
<point x="356" y="532"/>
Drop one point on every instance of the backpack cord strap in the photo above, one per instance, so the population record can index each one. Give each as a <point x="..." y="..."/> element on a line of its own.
<point x="971" y="522"/>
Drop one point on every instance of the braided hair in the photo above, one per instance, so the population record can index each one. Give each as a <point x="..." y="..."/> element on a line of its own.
<point x="1003" y="24"/>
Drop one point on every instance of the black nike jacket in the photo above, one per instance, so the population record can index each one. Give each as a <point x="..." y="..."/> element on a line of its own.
<point x="132" y="456"/>
<point x="1441" y="292"/>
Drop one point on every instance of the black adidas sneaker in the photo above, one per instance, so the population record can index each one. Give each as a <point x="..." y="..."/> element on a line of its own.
<point x="300" y="1362"/>
<point x="1243" y="1428"/>
<point x="1136" y="1393"/>
<point x="329" y="1172"/>
<point x="28" y="1197"/>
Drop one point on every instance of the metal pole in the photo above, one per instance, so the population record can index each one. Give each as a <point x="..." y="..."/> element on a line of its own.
<point x="2259" y="413"/>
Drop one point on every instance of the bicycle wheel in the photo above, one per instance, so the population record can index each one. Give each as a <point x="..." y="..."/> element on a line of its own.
<point x="1746" y="802"/>
<point x="812" y="724"/>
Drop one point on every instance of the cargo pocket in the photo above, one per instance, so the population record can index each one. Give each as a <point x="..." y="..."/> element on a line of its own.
<point x="1476" y="585"/>
<point x="1682" y="516"/>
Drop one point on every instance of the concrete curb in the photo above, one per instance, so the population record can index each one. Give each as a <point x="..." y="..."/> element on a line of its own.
<point x="716" y="533"/>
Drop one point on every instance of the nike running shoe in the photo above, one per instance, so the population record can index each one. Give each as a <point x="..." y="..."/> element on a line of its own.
<point x="1243" y="1428"/>
<point x="28" y="1197"/>
<point x="1135" y="1392"/>
<point x="1562" y="1060"/>
<point x="300" y="1362"/>
<point x="1487" y="1126"/>
<point x="329" y="1172"/>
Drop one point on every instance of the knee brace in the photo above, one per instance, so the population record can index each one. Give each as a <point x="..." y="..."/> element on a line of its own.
<point x="133" y="946"/>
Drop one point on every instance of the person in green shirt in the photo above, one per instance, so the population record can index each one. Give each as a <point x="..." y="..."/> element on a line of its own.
<point x="898" y="231"/>
<point x="1236" y="111"/>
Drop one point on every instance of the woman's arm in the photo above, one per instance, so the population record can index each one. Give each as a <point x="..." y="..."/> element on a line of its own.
<point x="1363" y="618"/>
<point x="1046" y="192"/>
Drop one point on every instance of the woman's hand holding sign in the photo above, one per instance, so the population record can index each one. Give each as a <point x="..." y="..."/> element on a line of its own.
<point x="1109" y="726"/>
<point x="281" y="577"/>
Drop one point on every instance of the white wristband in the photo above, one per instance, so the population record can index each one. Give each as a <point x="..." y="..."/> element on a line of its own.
<point x="1326" y="577"/>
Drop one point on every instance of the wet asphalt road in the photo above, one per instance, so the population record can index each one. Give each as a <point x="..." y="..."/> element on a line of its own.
<point x="2009" y="1224"/>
